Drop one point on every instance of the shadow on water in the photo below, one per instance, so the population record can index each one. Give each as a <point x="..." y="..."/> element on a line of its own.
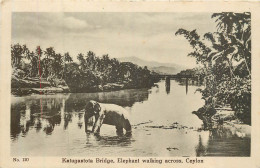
<point x="108" y="140"/>
<point x="223" y="141"/>
<point x="41" y="112"/>
<point x="200" y="148"/>
<point x="168" y="85"/>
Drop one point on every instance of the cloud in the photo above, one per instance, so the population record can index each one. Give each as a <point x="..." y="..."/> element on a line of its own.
<point x="47" y="25"/>
<point x="75" y="24"/>
<point x="149" y="36"/>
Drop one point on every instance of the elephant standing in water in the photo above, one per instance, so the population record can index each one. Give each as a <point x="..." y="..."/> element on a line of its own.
<point x="110" y="114"/>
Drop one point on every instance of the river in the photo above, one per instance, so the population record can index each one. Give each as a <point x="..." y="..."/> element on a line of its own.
<point x="161" y="118"/>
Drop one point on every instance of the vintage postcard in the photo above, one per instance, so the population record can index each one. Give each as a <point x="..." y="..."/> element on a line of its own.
<point x="129" y="84"/>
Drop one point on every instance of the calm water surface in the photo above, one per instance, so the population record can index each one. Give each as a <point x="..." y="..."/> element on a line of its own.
<point x="163" y="125"/>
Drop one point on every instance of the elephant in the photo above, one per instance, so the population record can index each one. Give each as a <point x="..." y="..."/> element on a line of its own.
<point x="110" y="114"/>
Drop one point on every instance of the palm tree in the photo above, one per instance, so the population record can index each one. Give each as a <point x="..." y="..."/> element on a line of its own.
<point x="32" y="57"/>
<point x="237" y="26"/>
<point x="17" y="53"/>
<point x="39" y="55"/>
<point x="56" y="65"/>
<point x="67" y="57"/>
<point x="91" y="60"/>
<point x="49" y="56"/>
<point x="222" y="50"/>
<point x="82" y="60"/>
<point x="230" y="22"/>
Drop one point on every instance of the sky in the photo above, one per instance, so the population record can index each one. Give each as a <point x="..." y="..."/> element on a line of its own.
<point x="148" y="36"/>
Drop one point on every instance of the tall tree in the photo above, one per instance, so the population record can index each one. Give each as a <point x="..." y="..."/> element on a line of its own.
<point x="34" y="63"/>
<point x="17" y="53"/>
<point x="237" y="27"/>
<point x="67" y="58"/>
<point x="82" y="61"/>
<point x="39" y="53"/>
<point x="57" y="65"/>
<point x="47" y="61"/>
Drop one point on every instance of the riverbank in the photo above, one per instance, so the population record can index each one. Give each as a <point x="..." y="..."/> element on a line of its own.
<point x="27" y="86"/>
<point x="224" y="118"/>
<point x="22" y="91"/>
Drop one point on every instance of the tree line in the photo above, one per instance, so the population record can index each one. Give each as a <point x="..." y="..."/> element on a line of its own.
<point x="90" y="72"/>
<point x="225" y="56"/>
<point x="39" y="63"/>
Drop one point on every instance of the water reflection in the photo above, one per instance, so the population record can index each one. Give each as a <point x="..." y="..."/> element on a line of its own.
<point x="77" y="102"/>
<point x="80" y="120"/>
<point x="54" y="125"/>
<point x="227" y="141"/>
<point x="182" y="81"/>
<point x="167" y="85"/>
<point x="224" y="141"/>
<point x="200" y="148"/>
<point x="15" y="119"/>
<point x="109" y="141"/>
<point x="45" y="112"/>
<point x="187" y="85"/>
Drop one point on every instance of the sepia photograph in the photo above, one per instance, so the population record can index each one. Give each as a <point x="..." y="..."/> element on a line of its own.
<point x="130" y="84"/>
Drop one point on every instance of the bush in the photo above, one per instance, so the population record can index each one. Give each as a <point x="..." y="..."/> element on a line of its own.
<point x="237" y="93"/>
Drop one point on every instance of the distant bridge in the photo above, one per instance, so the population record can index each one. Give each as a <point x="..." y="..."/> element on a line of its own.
<point x="175" y="76"/>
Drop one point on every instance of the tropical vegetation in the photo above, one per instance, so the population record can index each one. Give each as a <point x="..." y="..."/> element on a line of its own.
<point x="89" y="74"/>
<point x="225" y="56"/>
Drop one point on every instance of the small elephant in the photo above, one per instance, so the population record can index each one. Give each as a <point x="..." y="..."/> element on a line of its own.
<point x="110" y="114"/>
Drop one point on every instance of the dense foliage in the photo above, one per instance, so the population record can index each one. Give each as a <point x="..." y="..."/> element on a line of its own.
<point x="226" y="59"/>
<point x="47" y="64"/>
<point x="91" y="73"/>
